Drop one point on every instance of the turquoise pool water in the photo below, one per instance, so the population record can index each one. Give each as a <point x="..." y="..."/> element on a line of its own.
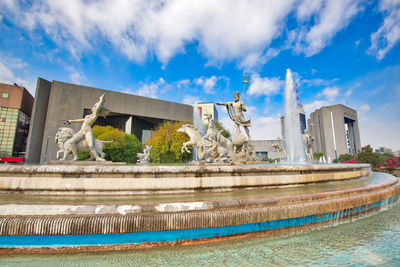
<point x="369" y="241"/>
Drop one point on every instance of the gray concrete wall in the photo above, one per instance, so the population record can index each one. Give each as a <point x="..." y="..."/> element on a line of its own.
<point x="38" y="121"/>
<point x="326" y="136"/>
<point x="266" y="146"/>
<point x="68" y="101"/>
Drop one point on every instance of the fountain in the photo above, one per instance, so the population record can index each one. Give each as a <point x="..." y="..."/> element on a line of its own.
<point x="98" y="207"/>
<point x="292" y="137"/>
<point x="198" y="122"/>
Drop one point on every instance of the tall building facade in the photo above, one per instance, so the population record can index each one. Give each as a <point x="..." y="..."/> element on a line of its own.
<point x="15" y="113"/>
<point x="335" y="129"/>
<point x="302" y="119"/>
<point x="207" y="108"/>
<point x="56" y="102"/>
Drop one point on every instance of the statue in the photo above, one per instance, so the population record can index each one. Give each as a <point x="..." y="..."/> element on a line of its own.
<point x="308" y="140"/>
<point x="279" y="148"/>
<point x="243" y="148"/>
<point x="85" y="133"/>
<point x="64" y="134"/>
<point x="212" y="147"/>
<point x="144" y="158"/>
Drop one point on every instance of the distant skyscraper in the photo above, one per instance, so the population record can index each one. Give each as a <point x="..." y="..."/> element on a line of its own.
<point x="302" y="117"/>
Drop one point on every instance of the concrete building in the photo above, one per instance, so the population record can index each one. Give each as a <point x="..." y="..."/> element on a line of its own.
<point x="335" y="129"/>
<point x="15" y="113"/>
<point x="57" y="101"/>
<point x="383" y="150"/>
<point x="264" y="149"/>
<point x="207" y="108"/>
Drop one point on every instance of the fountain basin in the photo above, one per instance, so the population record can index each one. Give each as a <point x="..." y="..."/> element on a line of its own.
<point x="122" y="180"/>
<point x="27" y="226"/>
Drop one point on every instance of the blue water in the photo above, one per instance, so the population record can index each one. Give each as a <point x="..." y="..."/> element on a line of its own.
<point x="369" y="241"/>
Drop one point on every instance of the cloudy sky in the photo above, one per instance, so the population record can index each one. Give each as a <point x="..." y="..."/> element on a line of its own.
<point x="186" y="51"/>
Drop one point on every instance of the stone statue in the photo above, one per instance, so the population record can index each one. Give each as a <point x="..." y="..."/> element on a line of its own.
<point x="195" y="139"/>
<point x="212" y="147"/>
<point x="222" y="146"/>
<point x="308" y="140"/>
<point x="279" y="148"/>
<point x="85" y="133"/>
<point x="243" y="148"/>
<point x="235" y="111"/>
<point x="144" y="158"/>
<point x="64" y="134"/>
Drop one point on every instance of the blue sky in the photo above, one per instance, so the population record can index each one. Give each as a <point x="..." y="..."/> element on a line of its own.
<point x="185" y="51"/>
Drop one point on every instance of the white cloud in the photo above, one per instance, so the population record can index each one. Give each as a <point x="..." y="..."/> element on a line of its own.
<point x="364" y="107"/>
<point x="191" y="100"/>
<point x="224" y="30"/>
<point x="330" y="93"/>
<point x="183" y="83"/>
<point x="311" y="107"/>
<point x="265" y="128"/>
<point x="317" y="82"/>
<point x="75" y="76"/>
<point x="388" y="34"/>
<point x="208" y="84"/>
<point x="8" y="68"/>
<point x="6" y="75"/>
<point x="151" y="89"/>
<point x="265" y="86"/>
<point x="254" y="60"/>
<point x="330" y="16"/>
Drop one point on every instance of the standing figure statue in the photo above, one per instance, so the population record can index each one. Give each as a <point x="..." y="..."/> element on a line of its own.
<point x="85" y="133"/>
<point x="243" y="150"/>
<point x="280" y="149"/>
<point x="308" y="140"/>
<point x="235" y="111"/>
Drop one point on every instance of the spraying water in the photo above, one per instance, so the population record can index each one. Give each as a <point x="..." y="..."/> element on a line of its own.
<point x="198" y="122"/>
<point x="292" y="136"/>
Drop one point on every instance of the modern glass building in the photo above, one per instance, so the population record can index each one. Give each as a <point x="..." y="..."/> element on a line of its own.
<point x="15" y="112"/>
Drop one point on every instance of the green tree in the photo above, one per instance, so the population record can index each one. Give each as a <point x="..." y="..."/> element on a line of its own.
<point x="367" y="156"/>
<point x="167" y="143"/>
<point x="123" y="148"/>
<point x="318" y="155"/>
<point x="220" y="127"/>
<point x="345" y="157"/>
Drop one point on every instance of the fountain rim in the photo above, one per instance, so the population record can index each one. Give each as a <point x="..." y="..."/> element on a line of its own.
<point x="154" y="169"/>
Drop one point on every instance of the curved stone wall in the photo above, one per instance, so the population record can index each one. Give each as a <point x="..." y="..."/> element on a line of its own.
<point x="64" y="179"/>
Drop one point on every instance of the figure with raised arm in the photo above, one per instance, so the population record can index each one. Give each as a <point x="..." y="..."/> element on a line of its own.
<point x="86" y="130"/>
<point x="235" y="111"/>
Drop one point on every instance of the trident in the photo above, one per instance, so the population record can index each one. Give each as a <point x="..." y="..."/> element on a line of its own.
<point x="246" y="80"/>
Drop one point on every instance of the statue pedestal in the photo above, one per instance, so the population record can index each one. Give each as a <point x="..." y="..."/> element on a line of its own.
<point x="84" y="163"/>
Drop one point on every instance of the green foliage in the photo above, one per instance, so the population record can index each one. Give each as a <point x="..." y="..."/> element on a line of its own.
<point x="367" y="156"/>
<point x="390" y="169"/>
<point x="220" y="127"/>
<point x="124" y="146"/>
<point x="83" y="155"/>
<point x="345" y="157"/>
<point x="108" y="133"/>
<point x="318" y="155"/>
<point x="167" y="142"/>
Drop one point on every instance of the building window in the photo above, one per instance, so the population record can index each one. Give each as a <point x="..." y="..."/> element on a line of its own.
<point x="4" y="95"/>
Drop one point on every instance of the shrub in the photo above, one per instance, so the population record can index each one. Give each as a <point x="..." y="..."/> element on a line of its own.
<point x="167" y="143"/>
